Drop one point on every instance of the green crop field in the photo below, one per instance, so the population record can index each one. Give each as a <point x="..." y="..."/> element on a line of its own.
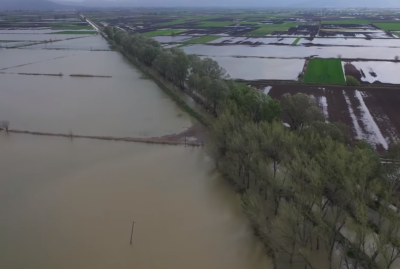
<point x="164" y="32"/>
<point x="74" y="33"/>
<point x="269" y="28"/>
<point x="248" y="22"/>
<point x="202" y="40"/>
<point x="215" y="23"/>
<point x="389" y="26"/>
<point x="325" y="71"/>
<point x="71" y="27"/>
<point x="348" y="21"/>
<point x="296" y="41"/>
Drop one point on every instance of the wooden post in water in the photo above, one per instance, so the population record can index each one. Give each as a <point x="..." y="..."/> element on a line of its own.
<point x="185" y="139"/>
<point x="133" y="223"/>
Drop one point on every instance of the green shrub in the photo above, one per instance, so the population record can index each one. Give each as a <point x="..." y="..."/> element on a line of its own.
<point x="352" y="81"/>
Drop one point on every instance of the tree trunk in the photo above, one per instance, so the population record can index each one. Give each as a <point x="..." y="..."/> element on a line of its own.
<point x="292" y="253"/>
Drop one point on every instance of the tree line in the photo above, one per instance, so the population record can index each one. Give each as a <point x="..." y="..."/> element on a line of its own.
<point x="309" y="190"/>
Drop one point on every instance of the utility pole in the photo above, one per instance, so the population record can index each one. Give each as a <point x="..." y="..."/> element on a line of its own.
<point x="133" y="224"/>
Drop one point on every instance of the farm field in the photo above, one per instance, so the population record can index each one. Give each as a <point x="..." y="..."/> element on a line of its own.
<point x="252" y="46"/>
<point x="328" y="71"/>
<point x="373" y="72"/>
<point x="371" y="112"/>
<point x="389" y="26"/>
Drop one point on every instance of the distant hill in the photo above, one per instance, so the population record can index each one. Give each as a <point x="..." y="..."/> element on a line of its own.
<point x="347" y="3"/>
<point x="30" y="5"/>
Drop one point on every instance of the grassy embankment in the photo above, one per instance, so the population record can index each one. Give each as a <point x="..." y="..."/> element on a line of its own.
<point x="163" y="32"/>
<point x="269" y="28"/>
<point x="71" y="27"/>
<point x="296" y="41"/>
<point x="74" y="33"/>
<point x="349" y="21"/>
<point x="201" y="40"/>
<point x="325" y="71"/>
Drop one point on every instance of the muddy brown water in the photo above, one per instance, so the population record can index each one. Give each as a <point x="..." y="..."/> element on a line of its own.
<point x="70" y="203"/>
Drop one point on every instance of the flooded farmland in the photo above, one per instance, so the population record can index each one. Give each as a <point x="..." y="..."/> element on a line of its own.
<point x="70" y="203"/>
<point x="293" y="51"/>
<point x="127" y="104"/>
<point x="258" y="68"/>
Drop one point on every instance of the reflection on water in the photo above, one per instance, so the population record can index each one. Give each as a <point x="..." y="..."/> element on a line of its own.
<point x="69" y="204"/>
<point x="123" y="105"/>
<point x="256" y="68"/>
<point x="293" y="51"/>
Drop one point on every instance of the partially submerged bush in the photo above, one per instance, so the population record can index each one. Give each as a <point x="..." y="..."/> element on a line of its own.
<point x="352" y="81"/>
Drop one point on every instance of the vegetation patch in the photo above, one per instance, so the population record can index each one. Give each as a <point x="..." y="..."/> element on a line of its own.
<point x="248" y="22"/>
<point x="348" y="21"/>
<point x="269" y="28"/>
<point x="202" y="39"/>
<point x="296" y="41"/>
<point x="88" y="76"/>
<point x="325" y="71"/>
<point x="71" y="27"/>
<point x="389" y="26"/>
<point x="215" y="23"/>
<point x="74" y="33"/>
<point x="163" y="32"/>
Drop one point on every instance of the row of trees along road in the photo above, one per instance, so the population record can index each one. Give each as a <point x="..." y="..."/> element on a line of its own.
<point x="315" y="198"/>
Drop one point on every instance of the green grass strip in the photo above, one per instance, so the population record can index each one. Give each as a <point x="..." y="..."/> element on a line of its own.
<point x="74" y="33"/>
<point x="270" y="28"/>
<point x="348" y="21"/>
<point x="163" y="32"/>
<point x="202" y="39"/>
<point x="325" y="71"/>
<point x="389" y="26"/>
<point x="296" y="41"/>
<point x="71" y="27"/>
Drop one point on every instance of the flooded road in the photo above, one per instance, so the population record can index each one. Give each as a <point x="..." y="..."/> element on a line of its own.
<point x="70" y="203"/>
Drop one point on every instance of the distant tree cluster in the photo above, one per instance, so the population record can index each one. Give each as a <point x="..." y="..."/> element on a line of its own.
<point x="300" y="185"/>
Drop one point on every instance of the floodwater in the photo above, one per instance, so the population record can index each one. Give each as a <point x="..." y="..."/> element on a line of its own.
<point x="293" y="51"/>
<point x="70" y="203"/>
<point x="258" y="68"/>
<point x="80" y="42"/>
<point x="127" y="104"/>
<point x="35" y="37"/>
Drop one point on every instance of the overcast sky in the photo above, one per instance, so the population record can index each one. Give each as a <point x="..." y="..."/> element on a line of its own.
<point x="250" y="3"/>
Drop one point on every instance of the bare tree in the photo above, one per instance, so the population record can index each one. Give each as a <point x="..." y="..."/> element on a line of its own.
<point x="5" y="125"/>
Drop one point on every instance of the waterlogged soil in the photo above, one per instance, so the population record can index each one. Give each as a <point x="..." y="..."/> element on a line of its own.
<point x="371" y="112"/>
